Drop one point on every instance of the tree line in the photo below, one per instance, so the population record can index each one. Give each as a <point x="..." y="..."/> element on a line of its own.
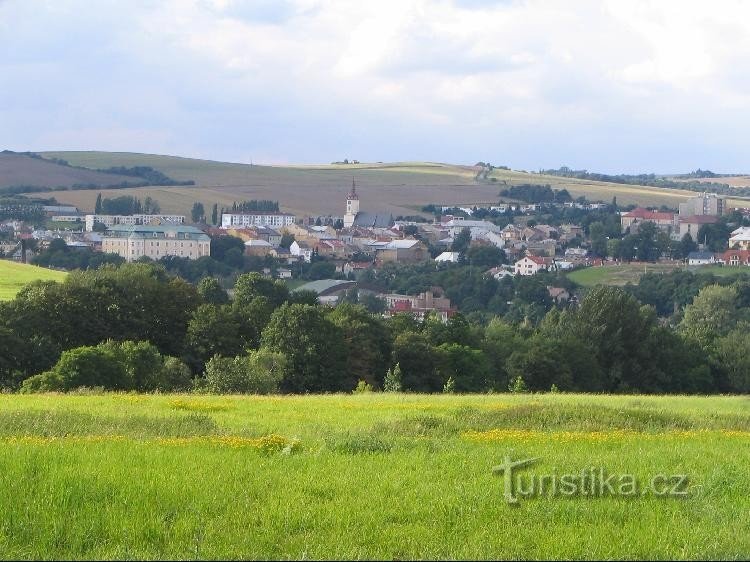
<point x="135" y="327"/>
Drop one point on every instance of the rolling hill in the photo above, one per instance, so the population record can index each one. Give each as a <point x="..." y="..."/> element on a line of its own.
<point x="400" y="188"/>
<point x="23" y="170"/>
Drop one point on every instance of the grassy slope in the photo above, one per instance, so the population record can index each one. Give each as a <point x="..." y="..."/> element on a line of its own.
<point x="14" y="275"/>
<point x="378" y="476"/>
<point x="400" y="188"/>
<point x="17" y="170"/>
<point x="631" y="273"/>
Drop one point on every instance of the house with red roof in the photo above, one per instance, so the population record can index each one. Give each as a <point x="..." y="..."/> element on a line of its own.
<point x="633" y="219"/>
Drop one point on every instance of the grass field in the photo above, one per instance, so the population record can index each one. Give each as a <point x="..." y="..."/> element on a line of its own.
<point x="14" y="275"/>
<point x="400" y="188"/>
<point x="17" y="169"/>
<point x="367" y="476"/>
<point x="617" y="274"/>
<point x="631" y="272"/>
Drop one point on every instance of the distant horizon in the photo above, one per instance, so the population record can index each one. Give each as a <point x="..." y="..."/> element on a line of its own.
<point x="384" y="162"/>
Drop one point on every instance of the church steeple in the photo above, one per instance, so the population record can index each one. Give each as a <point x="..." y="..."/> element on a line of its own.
<point x="352" y="206"/>
<point x="353" y="193"/>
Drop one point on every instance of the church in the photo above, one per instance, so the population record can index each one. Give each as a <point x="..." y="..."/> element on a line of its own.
<point x="355" y="217"/>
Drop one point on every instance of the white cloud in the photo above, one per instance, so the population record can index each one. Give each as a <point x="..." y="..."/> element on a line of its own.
<point x="601" y="84"/>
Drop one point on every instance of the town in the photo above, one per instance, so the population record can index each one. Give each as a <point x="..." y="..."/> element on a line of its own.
<point x="335" y="254"/>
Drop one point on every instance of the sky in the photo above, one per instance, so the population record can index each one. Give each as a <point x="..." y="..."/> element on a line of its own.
<point x="614" y="86"/>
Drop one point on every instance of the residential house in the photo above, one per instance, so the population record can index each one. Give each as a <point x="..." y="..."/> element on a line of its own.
<point x="451" y="257"/>
<point x="740" y="238"/>
<point x="531" y="265"/>
<point x="736" y="257"/>
<point x="429" y="302"/>
<point x="257" y="247"/>
<point x="701" y="258"/>
<point x="692" y="224"/>
<point x="407" y="250"/>
<point x="633" y="219"/>
<point x="558" y="294"/>
<point x="302" y="250"/>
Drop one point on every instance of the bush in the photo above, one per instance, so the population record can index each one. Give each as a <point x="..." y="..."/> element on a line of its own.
<point x="81" y="366"/>
<point x="112" y="366"/>
<point x="392" y="382"/>
<point x="260" y="372"/>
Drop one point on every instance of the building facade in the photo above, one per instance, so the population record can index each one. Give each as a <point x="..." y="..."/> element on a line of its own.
<point x="273" y="220"/>
<point x="132" y="220"/>
<point x="703" y="204"/>
<point x="156" y="242"/>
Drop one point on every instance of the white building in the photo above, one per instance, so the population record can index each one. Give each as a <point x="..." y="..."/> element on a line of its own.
<point x="452" y="257"/>
<point x="132" y="220"/>
<point x="531" y="265"/>
<point x="274" y="220"/>
<point x="156" y="242"/>
<point x="301" y="249"/>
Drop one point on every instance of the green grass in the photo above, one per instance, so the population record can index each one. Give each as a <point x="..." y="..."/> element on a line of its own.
<point x="617" y="274"/>
<point x="365" y="476"/>
<point x="14" y="275"/>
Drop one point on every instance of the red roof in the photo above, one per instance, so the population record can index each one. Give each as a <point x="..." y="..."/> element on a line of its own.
<point x="743" y="256"/>
<point x="646" y="214"/>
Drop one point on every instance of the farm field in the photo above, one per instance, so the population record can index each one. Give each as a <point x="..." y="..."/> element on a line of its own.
<point x="15" y="275"/>
<point x="367" y="476"/>
<point x="400" y="188"/>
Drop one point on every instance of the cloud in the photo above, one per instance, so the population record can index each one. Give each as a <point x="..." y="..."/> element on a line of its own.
<point x="609" y="85"/>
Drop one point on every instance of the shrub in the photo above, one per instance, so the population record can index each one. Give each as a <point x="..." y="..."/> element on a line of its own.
<point x="392" y="382"/>
<point x="362" y="387"/>
<point x="81" y="366"/>
<point x="450" y="386"/>
<point x="518" y="386"/>
<point x="260" y="372"/>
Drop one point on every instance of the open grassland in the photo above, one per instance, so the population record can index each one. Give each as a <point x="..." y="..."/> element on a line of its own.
<point x="618" y="274"/>
<point x="399" y="188"/>
<point x="366" y="476"/>
<point x="631" y="272"/>
<point x="14" y="275"/>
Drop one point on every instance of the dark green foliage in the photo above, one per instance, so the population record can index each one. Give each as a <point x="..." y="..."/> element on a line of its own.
<point x="314" y="346"/>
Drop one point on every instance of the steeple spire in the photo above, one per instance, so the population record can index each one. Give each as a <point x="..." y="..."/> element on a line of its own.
<point x="353" y="192"/>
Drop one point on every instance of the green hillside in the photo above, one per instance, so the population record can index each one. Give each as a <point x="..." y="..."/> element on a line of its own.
<point x="14" y="275"/>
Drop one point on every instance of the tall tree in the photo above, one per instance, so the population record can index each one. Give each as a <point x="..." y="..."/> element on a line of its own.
<point x="198" y="213"/>
<point x="215" y="214"/>
<point x="98" y="206"/>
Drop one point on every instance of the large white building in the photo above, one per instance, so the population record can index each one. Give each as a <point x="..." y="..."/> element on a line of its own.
<point x="274" y="220"/>
<point x="156" y="242"/>
<point x="132" y="220"/>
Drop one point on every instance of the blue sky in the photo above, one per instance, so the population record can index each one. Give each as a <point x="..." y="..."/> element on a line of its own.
<point x="612" y="86"/>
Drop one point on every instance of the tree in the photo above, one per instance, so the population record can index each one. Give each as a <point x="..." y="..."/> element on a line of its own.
<point x="215" y="214"/>
<point x="461" y="241"/>
<point x="420" y="363"/>
<point x="252" y="285"/>
<point x="731" y="354"/>
<point x="468" y="368"/>
<point x="485" y="256"/>
<point x="211" y="291"/>
<point x="392" y="381"/>
<point x="213" y="330"/>
<point x="314" y="346"/>
<point x="598" y="239"/>
<point x="286" y="240"/>
<point x="82" y="367"/>
<point x="98" y="205"/>
<point x="198" y="213"/>
<point x="686" y="246"/>
<point x="367" y="341"/>
<point x="712" y="314"/>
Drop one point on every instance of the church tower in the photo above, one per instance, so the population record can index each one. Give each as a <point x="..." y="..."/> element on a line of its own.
<point x="352" y="206"/>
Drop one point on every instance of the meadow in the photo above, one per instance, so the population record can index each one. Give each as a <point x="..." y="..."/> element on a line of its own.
<point x="369" y="475"/>
<point x="400" y="188"/>
<point x="13" y="276"/>
<point x="619" y="275"/>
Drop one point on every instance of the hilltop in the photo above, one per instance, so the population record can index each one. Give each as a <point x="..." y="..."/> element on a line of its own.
<point x="24" y="170"/>
<point x="400" y="188"/>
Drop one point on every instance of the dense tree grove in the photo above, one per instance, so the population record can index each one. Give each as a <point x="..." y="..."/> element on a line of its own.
<point x="135" y="327"/>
